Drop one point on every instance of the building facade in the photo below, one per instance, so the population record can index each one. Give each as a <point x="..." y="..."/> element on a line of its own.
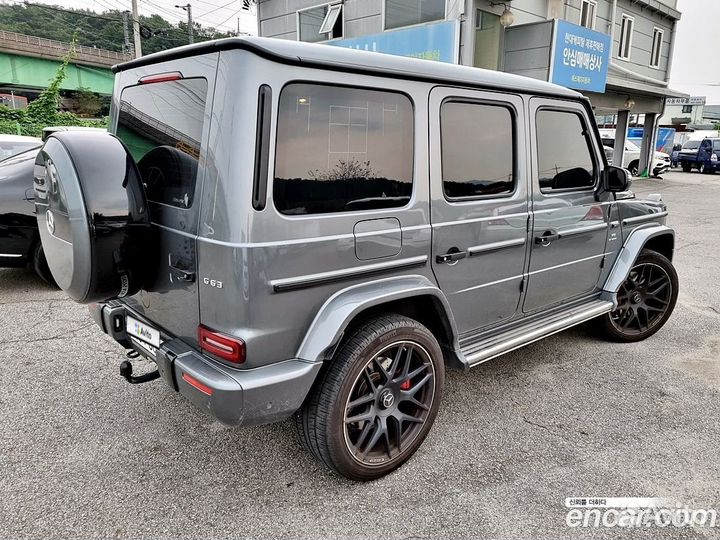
<point x="617" y="52"/>
<point x="682" y="113"/>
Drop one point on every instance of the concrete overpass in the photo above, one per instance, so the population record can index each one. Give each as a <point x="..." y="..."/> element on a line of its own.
<point x="28" y="64"/>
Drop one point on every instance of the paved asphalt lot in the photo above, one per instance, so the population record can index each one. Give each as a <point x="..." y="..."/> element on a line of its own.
<point x="84" y="454"/>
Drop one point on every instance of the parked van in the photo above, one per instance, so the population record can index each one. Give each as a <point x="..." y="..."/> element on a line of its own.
<point x="289" y="229"/>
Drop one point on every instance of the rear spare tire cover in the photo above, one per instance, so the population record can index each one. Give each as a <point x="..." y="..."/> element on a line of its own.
<point x="92" y="215"/>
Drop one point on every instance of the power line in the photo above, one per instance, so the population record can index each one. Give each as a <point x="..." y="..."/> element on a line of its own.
<point x="79" y="13"/>
<point x="216" y="9"/>
<point x="230" y="17"/>
<point x="162" y="9"/>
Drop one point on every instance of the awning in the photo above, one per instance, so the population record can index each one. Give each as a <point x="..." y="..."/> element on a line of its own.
<point x="633" y="86"/>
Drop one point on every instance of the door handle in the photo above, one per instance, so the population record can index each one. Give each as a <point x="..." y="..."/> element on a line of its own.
<point x="182" y="274"/>
<point x="547" y="237"/>
<point x="452" y="256"/>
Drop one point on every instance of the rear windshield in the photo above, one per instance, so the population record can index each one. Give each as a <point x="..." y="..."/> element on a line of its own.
<point x="162" y="125"/>
<point x="691" y="145"/>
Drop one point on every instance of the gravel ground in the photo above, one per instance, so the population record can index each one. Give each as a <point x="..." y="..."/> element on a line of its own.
<point x="84" y="454"/>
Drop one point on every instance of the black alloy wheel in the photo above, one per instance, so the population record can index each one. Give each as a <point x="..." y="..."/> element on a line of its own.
<point x="389" y="403"/>
<point x="375" y="402"/>
<point x="645" y="300"/>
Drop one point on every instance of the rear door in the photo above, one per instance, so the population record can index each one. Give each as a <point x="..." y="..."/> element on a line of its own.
<point x="570" y="226"/>
<point x="163" y="117"/>
<point x="479" y="205"/>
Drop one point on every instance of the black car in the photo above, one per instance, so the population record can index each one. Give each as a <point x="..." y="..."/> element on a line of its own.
<point x="19" y="238"/>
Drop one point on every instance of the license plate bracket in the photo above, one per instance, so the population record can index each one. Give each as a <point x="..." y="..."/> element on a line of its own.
<point x="143" y="335"/>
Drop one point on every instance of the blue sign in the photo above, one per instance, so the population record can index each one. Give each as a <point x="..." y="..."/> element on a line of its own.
<point x="664" y="142"/>
<point x="437" y="41"/>
<point x="580" y="57"/>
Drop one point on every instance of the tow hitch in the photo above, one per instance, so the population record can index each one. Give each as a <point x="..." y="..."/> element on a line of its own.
<point x="126" y="370"/>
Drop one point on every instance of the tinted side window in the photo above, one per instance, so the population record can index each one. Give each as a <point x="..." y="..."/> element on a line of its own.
<point x="162" y="125"/>
<point x="342" y="149"/>
<point x="477" y="149"/>
<point x="564" y="157"/>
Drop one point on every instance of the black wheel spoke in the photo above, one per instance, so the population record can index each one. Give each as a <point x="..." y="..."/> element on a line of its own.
<point x="377" y="434"/>
<point x="396" y="361"/>
<point x="411" y="399"/>
<point x="398" y="435"/>
<point x="360" y="401"/>
<point x="402" y="417"/>
<point x="386" y="438"/>
<point x="629" y="317"/>
<point x="368" y="376"/>
<point x="413" y="390"/>
<point x="406" y="365"/>
<point x="658" y="289"/>
<point x="364" y="434"/>
<point x="364" y="417"/>
<point x="379" y="364"/>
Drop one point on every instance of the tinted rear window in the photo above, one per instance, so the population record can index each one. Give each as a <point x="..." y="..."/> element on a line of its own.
<point x="342" y="149"/>
<point x="162" y="125"/>
<point x="691" y="145"/>
<point x="477" y="160"/>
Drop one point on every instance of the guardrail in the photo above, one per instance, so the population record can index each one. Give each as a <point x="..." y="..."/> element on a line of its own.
<point x="42" y="47"/>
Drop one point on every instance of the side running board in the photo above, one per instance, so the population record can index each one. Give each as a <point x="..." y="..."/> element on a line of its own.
<point x="477" y="351"/>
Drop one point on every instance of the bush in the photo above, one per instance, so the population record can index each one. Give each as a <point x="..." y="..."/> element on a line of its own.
<point x="43" y="111"/>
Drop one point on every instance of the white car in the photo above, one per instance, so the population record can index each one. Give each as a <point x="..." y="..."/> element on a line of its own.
<point x="631" y="159"/>
<point x="11" y="145"/>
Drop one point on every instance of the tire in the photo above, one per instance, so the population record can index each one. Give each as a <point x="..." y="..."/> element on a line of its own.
<point x="686" y="167"/>
<point x="40" y="265"/>
<point x="633" y="167"/>
<point x="359" y="371"/>
<point x="637" y="301"/>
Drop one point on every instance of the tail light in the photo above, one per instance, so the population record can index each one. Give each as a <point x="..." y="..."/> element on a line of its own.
<point x="222" y="346"/>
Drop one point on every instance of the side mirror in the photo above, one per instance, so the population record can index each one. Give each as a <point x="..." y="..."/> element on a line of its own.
<point x="616" y="179"/>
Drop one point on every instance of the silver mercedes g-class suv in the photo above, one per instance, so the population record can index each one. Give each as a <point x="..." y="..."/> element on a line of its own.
<point x="296" y="229"/>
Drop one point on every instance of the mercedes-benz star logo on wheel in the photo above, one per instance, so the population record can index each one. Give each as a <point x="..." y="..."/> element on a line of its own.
<point x="50" y="222"/>
<point x="388" y="399"/>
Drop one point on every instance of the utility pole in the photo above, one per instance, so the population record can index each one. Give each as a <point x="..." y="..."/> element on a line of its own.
<point x="127" y="46"/>
<point x="136" y="29"/>
<point x="188" y="8"/>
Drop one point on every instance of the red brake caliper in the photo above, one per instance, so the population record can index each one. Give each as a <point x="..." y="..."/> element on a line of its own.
<point x="405" y="385"/>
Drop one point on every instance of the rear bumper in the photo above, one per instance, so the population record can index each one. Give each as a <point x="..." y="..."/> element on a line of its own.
<point x="232" y="396"/>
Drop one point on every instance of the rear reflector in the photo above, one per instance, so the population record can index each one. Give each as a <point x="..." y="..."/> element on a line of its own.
<point x="192" y="381"/>
<point x="161" y="77"/>
<point x="227" y="348"/>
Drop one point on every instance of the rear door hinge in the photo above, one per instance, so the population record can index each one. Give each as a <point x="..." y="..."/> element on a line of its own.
<point x="522" y="285"/>
<point x="602" y="262"/>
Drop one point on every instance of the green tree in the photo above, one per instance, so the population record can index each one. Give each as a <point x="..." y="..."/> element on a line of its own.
<point x="88" y="103"/>
<point x="43" y="111"/>
<point x="103" y="30"/>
